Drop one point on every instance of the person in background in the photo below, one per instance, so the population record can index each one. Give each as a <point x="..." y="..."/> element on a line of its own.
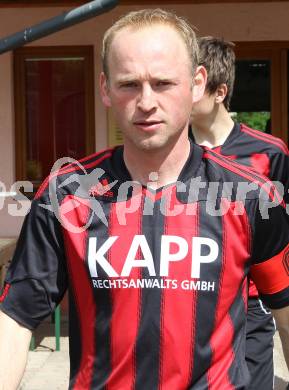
<point x="213" y="127"/>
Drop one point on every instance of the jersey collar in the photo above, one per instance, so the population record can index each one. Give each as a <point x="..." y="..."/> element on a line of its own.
<point x="120" y="172"/>
<point x="234" y="133"/>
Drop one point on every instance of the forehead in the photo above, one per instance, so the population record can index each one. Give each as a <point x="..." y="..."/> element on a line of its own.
<point x="154" y="44"/>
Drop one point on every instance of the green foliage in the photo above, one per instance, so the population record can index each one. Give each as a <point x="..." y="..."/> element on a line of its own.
<point x="255" y="120"/>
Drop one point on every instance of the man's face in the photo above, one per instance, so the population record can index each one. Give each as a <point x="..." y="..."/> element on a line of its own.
<point x="150" y="86"/>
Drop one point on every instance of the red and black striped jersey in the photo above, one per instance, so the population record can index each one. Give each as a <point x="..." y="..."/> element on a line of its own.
<point x="157" y="279"/>
<point x="262" y="152"/>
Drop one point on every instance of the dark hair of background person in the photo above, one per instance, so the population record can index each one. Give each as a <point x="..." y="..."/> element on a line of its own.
<point x="218" y="57"/>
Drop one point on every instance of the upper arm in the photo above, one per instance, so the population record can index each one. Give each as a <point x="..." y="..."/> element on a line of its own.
<point x="270" y="257"/>
<point x="279" y="172"/>
<point x="37" y="277"/>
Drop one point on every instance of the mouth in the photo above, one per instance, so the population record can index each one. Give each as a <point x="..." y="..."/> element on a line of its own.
<point x="148" y="125"/>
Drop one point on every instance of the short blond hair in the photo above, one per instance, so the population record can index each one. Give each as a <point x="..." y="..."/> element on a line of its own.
<point x="148" y="17"/>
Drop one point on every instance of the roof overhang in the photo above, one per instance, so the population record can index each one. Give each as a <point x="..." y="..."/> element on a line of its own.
<point x="55" y="3"/>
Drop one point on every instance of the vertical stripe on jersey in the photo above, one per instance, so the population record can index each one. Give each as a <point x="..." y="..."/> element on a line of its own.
<point x="148" y="337"/>
<point x="74" y="213"/>
<point x="125" y="301"/>
<point x="245" y="293"/>
<point x="235" y="250"/>
<point x="238" y="373"/>
<point x="178" y="307"/>
<point x="209" y="227"/>
<point x="102" y="298"/>
<point x="74" y="342"/>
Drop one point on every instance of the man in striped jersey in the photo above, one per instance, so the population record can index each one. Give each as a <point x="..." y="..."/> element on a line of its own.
<point x="213" y="127"/>
<point x="154" y="261"/>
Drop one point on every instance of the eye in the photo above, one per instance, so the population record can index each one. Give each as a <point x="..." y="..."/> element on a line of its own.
<point x="163" y="83"/>
<point x="128" y="84"/>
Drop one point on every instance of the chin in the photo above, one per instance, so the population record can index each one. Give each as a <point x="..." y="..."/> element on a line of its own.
<point x="150" y="144"/>
<point x="147" y="145"/>
<point x="154" y="146"/>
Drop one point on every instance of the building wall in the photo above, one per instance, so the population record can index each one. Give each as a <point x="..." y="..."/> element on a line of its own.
<point x="236" y="22"/>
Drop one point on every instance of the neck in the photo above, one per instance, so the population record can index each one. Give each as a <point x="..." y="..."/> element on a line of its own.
<point x="165" y="163"/>
<point x="214" y="129"/>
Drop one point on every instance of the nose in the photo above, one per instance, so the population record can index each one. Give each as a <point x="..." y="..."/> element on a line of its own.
<point x="147" y="99"/>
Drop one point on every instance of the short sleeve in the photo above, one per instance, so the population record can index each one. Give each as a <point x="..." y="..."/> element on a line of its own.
<point x="270" y="255"/>
<point x="37" y="278"/>
<point x="279" y="171"/>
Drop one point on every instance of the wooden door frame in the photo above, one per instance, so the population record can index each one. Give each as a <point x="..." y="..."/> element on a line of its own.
<point x="276" y="52"/>
<point x="19" y="57"/>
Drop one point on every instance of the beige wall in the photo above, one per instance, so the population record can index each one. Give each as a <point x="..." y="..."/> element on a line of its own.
<point x="237" y="22"/>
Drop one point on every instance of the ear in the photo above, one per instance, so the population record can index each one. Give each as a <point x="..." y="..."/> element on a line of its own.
<point x="104" y="90"/>
<point x="199" y="83"/>
<point x="221" y="93"/>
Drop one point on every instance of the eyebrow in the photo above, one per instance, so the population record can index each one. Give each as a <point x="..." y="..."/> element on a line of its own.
<point x="125" y="79"/>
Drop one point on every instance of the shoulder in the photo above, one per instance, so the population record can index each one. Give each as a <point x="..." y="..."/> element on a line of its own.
<point x="67" y="173"/>
<point x="264" y="142"/>
<point x="226" y="170"/>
